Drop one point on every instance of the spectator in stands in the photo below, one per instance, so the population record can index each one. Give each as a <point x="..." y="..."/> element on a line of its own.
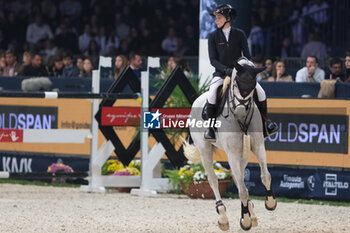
<point x="256" y="37"/>
<point x="122" y="28"/>
<point x="56" y="70"/>
<point x="110" y="43"/>
<point x="258" y="61"/>
<point x="171" y="64"/>
<point x="93" y="49"/>
<point x="87" y="68"/>
<point x="80" y="64"/>
<point x="318" y="12"/>
<point x="278" y="73"/>
<point x="49" y="8"/>
<point x="311" y="72"/>
<point x="71" y="8"/>
<point x="26" y="58"/>
<point x="85" y="38"/>
<point x="12" y="68"/>
<point x="335" y="67"/>
<point x="183" y="64"/>
<point x="191" y="43"/>
<point x="21" y="8"/>
<point x="314" y="47"/>
<point x="120" y="63"/>
<point x="269" y="65"/>
<point x="35" y="68"/>
<point x="135" y="61"/>
<point x="2" y="64"/>
<point x="38" y="31"/>
<point x="49" y="52"/>
<point x="168" y="68"/>
<point x="347" y="67"/>
<point x="170" y="43"/>
<point x="70" y="70"/>
<point x="67" y="40"/>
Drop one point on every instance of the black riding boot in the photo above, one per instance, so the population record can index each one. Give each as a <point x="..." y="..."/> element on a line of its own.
<point x="269" y="128"/>
<point x="209" y="133"/>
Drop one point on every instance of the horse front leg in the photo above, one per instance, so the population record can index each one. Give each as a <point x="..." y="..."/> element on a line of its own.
<point x="248" y="217"/>
<point x="270" y="200"/>
<point x="207" y="161"/>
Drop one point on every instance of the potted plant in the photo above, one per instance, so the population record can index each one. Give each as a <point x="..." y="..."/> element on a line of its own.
<point x="193" y="180"/>
<point x="116" y="168"/>
<point x="59" y="168"/>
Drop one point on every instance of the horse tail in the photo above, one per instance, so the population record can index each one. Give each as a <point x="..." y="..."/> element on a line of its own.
<point x="225" y="85"/>
<point x="191" y="152"/>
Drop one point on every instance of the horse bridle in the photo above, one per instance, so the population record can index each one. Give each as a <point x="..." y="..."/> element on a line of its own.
<point x="247" y="103"/>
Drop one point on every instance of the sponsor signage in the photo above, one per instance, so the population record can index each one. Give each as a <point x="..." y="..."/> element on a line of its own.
<point x="300" y="183"/>
<point x="11" y="135"/>
<point x="130" y="116"/>
<point x="28" y="117"/>
<point x="310" y="133"/>
<point x="15" y="163"/>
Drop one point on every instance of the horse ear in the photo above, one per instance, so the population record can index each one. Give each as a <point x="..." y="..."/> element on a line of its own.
<point x="237" y="66"/>
<point x="259" y="70"/>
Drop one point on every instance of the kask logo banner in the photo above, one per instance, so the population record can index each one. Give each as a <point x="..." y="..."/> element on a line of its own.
<point x="310" y="133"/>
<point x="28" y="117"/>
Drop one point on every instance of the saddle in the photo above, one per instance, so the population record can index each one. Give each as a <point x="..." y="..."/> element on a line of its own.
<point x="220" y="103"/>
<point x="245" y="84"/>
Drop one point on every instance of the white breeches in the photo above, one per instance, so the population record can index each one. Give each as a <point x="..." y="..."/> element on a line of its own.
<point x="217" y="81"/>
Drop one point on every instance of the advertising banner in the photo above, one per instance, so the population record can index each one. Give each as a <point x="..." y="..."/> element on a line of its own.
<point x="28" y="117"/>
<point x="39" y="163"/>
<point x="310" y="133"/>
<point x="301" y="183"/>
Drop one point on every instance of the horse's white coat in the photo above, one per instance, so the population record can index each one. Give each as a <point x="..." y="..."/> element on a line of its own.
<point x="229" y="137"/>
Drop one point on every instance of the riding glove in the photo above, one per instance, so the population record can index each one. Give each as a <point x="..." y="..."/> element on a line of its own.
<point x="228" y="71"/>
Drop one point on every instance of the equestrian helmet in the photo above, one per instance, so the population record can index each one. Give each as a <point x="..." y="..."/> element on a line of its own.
<point x="226" y="10"/>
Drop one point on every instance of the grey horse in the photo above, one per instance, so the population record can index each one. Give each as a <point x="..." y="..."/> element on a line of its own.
<point x="240" y="121"/>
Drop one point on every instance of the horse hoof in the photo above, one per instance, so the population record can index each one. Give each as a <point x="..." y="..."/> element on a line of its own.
<point x="243" y="226"/>
<point x="224" y="226"/>
<point x="270" y="203"/>
<point x="252" y="214"/>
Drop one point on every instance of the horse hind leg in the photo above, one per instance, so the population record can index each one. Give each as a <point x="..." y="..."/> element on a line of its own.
<point x="270" y="199"/>
<point x="207" y="161"/>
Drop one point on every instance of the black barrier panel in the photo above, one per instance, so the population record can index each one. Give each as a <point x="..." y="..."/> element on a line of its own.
<point x="177" y="77"/>
<point x="310" y="133"/>
<point x="127" y="77"/>
<point x="125" y="155"/>
<point x="300" y="183"/>
<point x="28" y="117"/>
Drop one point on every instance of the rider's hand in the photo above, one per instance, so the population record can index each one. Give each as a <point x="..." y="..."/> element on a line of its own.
<point x="228" y="71"/>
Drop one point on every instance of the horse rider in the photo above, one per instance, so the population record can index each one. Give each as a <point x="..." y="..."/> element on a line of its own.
<point x="226" y="45"/>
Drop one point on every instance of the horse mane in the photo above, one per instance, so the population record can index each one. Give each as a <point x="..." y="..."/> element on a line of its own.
<point x="227" y="80"/>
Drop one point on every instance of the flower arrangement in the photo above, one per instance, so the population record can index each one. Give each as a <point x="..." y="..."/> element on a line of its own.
<point x="195" y="174"/>
<point x="59" y="167"/>
<point x="116" y="168"/>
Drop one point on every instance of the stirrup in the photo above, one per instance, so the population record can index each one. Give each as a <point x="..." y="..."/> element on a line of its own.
<point x="271" y="128"/>
<point x="209" y="135"/>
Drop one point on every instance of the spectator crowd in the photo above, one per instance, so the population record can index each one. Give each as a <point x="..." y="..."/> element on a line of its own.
<point x="53" y="32"/>
<point x="64" y="38"/>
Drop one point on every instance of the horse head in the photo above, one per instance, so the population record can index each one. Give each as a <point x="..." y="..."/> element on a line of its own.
<point x="242" y="86"/>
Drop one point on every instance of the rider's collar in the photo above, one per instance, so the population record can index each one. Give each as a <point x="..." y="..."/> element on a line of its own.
<point x="226" y="32"/>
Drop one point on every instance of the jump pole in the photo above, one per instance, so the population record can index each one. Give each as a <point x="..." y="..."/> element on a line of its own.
<point x="149" y="159"/>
